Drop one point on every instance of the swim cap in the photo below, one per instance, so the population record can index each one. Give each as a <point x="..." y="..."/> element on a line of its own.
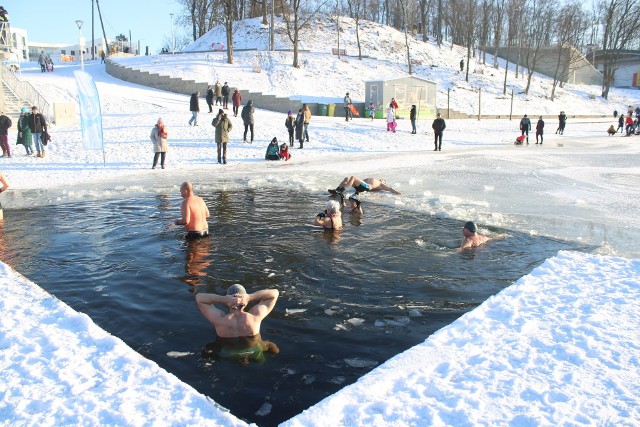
<point x="236" y="289"/>
<point x="471" y="226"/>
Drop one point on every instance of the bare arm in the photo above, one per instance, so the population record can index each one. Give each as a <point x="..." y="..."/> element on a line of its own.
<point x="266" y="301"/>
<point x="208" y="309"/>
<point x="186" y="214"/>
<point x="385" y="187"/>
<point x="4" y="182"/>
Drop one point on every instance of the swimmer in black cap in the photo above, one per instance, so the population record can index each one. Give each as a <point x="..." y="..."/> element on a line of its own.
<point x="471" y="237"/>
<point x="355" y="204"/>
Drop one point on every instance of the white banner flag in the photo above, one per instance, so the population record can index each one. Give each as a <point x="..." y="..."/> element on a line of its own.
<point x="90" y="112"/>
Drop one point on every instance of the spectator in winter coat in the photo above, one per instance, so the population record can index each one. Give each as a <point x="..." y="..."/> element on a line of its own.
<point x="24" y="133"/>
<point x="300" y="127"/>
<point x="194" y="107"/>
<point x="347" y="107"/>
<point x="539" y="130"/>
<point x="372" y="110"/>
<point x="209" y="98"/>
<point x="525" y="126"/>
<point x="37" y="125"/>
<point x="284" y="152"/>
<point x="391" y="119"/>
<point x="562" y="122"/>
<point x="223" y="127"/>
<point x="412" y="117"/>
<point x="273" y="151"/>
<point x="629" y="124"/>
<point x="42" y="61"/>
<point x="160" y="146"/>
<point x="393" y="104"/>
<point x="620" y="123"/>
<point x="307" y="119"/>
<point x="290" y="124"/>
<point x="225" y="96"/>
<point x="218" y="93"/>
<point x="236" y="99"/>
<point x="247" y="119"/>
<point x="438" y="127"/>
<point x="612" y="130"/>
<point x="5" y="124"/>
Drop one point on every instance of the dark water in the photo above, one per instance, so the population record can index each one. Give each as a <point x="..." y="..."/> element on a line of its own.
<point x="394" y="274"/>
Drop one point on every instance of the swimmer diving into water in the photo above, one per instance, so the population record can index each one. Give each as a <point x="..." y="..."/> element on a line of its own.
<point x="194" y="213"/>
<point x="361" y="186"/>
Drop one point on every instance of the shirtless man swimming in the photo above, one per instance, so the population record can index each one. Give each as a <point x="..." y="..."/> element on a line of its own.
<point x="368" y="184"/>
<point x="194" y="213"/>
<point x="238" y="331"/>
<point x="471" y="237"/>
<point x="237" y="322"/>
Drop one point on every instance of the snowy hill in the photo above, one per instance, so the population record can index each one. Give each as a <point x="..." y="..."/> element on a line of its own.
<point x="384" y="54"/>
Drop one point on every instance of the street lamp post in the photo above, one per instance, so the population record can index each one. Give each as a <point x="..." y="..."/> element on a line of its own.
<point x="80" y="42"/>
<point x="173" y="40"/>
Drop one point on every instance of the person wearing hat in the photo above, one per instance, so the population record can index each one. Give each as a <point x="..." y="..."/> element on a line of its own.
<point x="24" y="133"/>
<point x="236" y="100"/>
<point x="273" y="151"/>
<point x="235" y="321"/>
<point x="284" y="152"/>
<point x="347" y="107"/>
<point x="471" y="237"/>
<point x="355" y="204"/>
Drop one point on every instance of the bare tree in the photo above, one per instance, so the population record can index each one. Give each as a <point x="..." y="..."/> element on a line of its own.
<point x="540" y="21"/>
<point x="571" y="25"/>
<point x="513" y="19"/>
<point x="201" y="16"/>
<point x="621" y="27"/>
<point x="355" y="12"/>
<point x="498" y="16"/>
<point x="296" y="19"/>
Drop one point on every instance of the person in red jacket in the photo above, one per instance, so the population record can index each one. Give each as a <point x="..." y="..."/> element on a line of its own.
<point x="236" y="99"/>
<point x="629" y="124"/>
<point x="284" y="152"/>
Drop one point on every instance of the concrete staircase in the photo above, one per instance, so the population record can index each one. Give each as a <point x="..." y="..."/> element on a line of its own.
<point x="12" y="104"/>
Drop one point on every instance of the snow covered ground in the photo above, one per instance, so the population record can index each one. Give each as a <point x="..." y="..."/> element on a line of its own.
<point x="557" y="347"/>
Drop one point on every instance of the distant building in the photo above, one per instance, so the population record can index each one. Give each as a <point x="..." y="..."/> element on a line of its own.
<point x="628" y="67"/>
<point x="571" y="65"/>
<point x="407" y="91"/>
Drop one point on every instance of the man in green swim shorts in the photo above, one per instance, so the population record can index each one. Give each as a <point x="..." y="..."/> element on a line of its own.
<point x="238" y="323"/>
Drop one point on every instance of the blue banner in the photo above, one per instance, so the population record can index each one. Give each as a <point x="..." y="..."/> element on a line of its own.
<point x="90" y="112"/>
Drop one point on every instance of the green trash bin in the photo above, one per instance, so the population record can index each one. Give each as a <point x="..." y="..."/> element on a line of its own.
<point x="332" y="110"/>
<point x="322" y="109"/>
<point x="378" y="114"/>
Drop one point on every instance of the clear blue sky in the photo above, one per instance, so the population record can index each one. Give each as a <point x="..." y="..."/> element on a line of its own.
<point x="53" y="21"/>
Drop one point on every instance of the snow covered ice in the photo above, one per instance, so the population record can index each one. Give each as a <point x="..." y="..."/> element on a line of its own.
<point x="559" y="347"/>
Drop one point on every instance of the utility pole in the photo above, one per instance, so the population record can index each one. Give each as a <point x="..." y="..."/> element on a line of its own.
<point x="93" y="36"/>
<point x="106" y="43"/>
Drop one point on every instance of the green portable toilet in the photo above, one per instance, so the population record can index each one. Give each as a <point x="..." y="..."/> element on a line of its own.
<point x="322" y="109"/>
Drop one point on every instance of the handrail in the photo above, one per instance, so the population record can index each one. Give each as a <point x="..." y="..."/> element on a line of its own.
<point x="25" y="91"/>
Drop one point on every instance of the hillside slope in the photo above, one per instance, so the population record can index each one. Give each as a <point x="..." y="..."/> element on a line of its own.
<point x="323" y="77"/>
